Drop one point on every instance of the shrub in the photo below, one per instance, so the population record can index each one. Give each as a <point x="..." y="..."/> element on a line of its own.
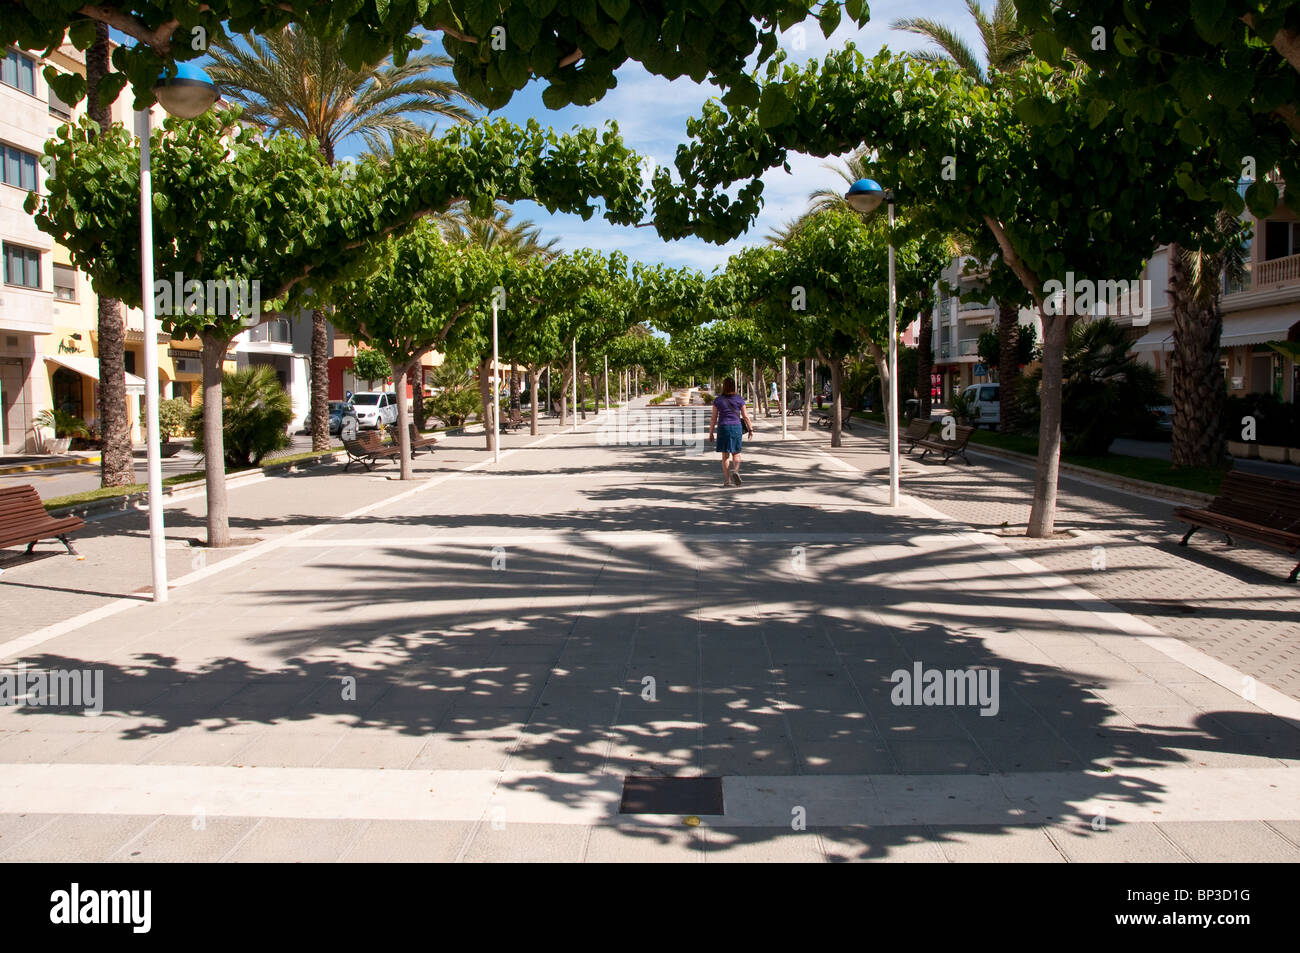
<point x="457" y="398"/>
<point x="1106" y="391"/>
<point x="63" y="423"/>
<point x="1276" y="423"/>
<point x="256" y="413"/>
<point x="173" y="418"/>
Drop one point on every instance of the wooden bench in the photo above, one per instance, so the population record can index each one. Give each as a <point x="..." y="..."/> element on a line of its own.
<point x="368" y="449"/>
<point x="949" y="448"/>
<point x="419" y="441"/>
<point x="917" y="430"/>
<point x="1263" y="509"/>
<point x="514" y="421"/>
<point x="824" y="418"/>
<point x="23" y="520"/>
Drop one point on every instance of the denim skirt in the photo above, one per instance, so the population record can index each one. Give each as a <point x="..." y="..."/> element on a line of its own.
<point x="730" y="438"/>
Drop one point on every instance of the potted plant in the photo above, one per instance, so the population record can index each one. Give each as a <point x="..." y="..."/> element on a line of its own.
<point x="65" y="427"/>
<point x="173" y="419"/>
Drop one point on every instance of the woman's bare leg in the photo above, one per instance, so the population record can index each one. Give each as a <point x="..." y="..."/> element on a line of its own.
<point x="735" y="465"/>
<point x="726" y="474"/>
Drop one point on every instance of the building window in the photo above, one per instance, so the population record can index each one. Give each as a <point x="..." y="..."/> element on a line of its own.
<point x="22" y="266"/>
<point x="65" y="283"/>
<point x="128" y="361"/>
<point x="19" y="168"/>
<point x="19" y="71"/>
<point x="58" y="107"/>
<point x="1281" y="239"/>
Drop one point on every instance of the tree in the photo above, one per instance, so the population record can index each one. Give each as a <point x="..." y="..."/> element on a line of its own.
<point x="292" y="80"/>
<point x="496" y="48"/>
<point x="232" y="205"/>
<point x="1196" y="278"/>
<point x="255" y="416"/>
<point x="1006" y="42"/>
<point x="1025" y="344"/>
<point x="1106" y="390"/>
<point x="370" y="365"/>
<point x="1058" y="194"/>
<point x="423" y="296"/>
<point x="1226" y="75"/>
<point x="116" y="461"/>
<point x="498" y="229"/>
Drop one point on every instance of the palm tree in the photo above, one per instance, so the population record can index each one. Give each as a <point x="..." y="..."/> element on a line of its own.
<point x="1006" y="46"/>
<point x="1006" y="42"/>
<point x="1196" y="380"/>
<point x="117" y="463"/>
<point x="296" y="82"/>
<point x="522" y="239"/>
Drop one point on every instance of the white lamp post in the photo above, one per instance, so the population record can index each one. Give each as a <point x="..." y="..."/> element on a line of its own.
<point x="784" y="434"/>
<point x="575" y="383"/>
<point x="866" y="195"/>
<point x="496" y="388"/>
<point x="187" y="94"/>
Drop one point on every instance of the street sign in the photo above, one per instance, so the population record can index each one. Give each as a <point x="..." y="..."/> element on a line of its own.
<point x="980" y="371"/>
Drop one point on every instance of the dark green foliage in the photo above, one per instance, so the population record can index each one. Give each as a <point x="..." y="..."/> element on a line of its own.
<point x="255" y="416"/>
<point x="1106" y="390"/>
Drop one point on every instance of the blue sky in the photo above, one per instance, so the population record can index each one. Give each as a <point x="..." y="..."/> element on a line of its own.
<point x="651" y="113"/>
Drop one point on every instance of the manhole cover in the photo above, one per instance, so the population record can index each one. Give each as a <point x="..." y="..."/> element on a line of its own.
<point x="671" y="796"/>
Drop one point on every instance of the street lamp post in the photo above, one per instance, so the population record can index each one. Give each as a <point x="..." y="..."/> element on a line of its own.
<point x="187" y="94"/>
<point x="575" y="383"/>
<point x="496" y="388"/>
<point x="865" y="195"/>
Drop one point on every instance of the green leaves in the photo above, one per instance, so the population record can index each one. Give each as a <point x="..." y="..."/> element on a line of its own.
<point x="774" y="106"/>
<point x="829" y="18"/>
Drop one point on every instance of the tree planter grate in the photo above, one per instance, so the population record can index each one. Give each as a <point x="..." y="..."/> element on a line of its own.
<point x="671" y="796"/>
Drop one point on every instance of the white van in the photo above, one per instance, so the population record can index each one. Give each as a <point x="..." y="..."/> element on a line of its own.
<point x="985" y="410"/>
<point x="374" y="409"/>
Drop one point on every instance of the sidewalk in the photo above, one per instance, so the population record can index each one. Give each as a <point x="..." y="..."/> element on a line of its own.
<point x="468" y="668"/>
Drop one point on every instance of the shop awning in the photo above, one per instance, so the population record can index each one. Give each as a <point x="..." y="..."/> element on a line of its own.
<point x="1257" y="330"/>
<point x="1162" y="339"/>
<point x="89" y="367"/>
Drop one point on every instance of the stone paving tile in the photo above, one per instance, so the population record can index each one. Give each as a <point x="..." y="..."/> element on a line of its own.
<point x="527" y="843"/>
<point x="1232" y="842"/>
<point x="1116" y="844"/>
<point x="77" y="837"/>
<point x="419" y="842"/>
<point x="643" y="844"/>
<point x="296" y="840"/>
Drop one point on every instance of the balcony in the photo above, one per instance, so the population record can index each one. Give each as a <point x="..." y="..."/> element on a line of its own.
<point x="965" y="350"/>
<point x="1264" y="274"/>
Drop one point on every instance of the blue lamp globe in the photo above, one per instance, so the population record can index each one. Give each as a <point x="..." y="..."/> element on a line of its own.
<point x="188" y="93"/>
<point x="864" y="195"/>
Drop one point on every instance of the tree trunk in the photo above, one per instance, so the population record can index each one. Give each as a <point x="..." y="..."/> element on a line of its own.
<point x="532" y="393"/>
<point x="417" y="395"/>
<point x="807" y="392"/>
<point x="214" y="446"/>
<point x="403" y="420"/>
<point x="925" y="358"/>
<point x="1008" y="363"/>
<point x="320" y="382"/>
<point x="837" y="374"/>
<point x="582" y="394"/>
<point x="515" y="405"/>
<point x="485" y="400"/>
<point x="1196" y="379"/>
<point x="116" y="461"/>
<point x="1042" y="515"/>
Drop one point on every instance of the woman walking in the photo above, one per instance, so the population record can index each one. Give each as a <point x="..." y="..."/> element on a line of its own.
<point x="731" y="421"/>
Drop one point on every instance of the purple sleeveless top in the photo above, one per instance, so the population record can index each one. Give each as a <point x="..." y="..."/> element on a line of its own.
<point x="729" y="406"/>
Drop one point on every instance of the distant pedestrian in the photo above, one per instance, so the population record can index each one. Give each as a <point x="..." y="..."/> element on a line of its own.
<point x="731" y="422"/>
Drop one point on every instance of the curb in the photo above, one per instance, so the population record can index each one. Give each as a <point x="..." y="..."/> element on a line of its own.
<point x="50" y="465"/>
<point x="1171" y="493"/>
<point x="116" y="505"/>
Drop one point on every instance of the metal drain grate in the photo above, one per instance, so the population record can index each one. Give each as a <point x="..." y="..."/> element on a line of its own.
<point x="671" y="796"/>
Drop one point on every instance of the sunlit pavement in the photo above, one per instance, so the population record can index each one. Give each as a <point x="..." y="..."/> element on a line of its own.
<point x="468" y="667"/>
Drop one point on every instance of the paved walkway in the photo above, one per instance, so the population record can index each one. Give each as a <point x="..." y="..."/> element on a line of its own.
<point x="469" y="666"/>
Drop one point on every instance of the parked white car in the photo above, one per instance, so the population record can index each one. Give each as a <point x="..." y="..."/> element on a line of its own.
<point x="375" y="409"/>
<point x="985" y="409"/>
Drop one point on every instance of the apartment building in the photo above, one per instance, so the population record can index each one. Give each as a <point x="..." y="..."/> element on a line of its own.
<point x="49" y="318"/>
<point x="957" y="325"/>
<point x="1261" y="310"/>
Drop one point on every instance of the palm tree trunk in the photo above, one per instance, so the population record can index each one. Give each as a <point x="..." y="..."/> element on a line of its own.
<point x="515" y="405"/>
<point x="214" y="446"/>
<point x="116" y="462"/>
<point x="320" y="382"/>
<point x="1008" y="363"/>
<point x="417" y="393"/>
<point x="1196" y="379"/>
<point x="582" y="392"/>
<point x="1042" y="514"/>
<point x="925" y="358"/>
